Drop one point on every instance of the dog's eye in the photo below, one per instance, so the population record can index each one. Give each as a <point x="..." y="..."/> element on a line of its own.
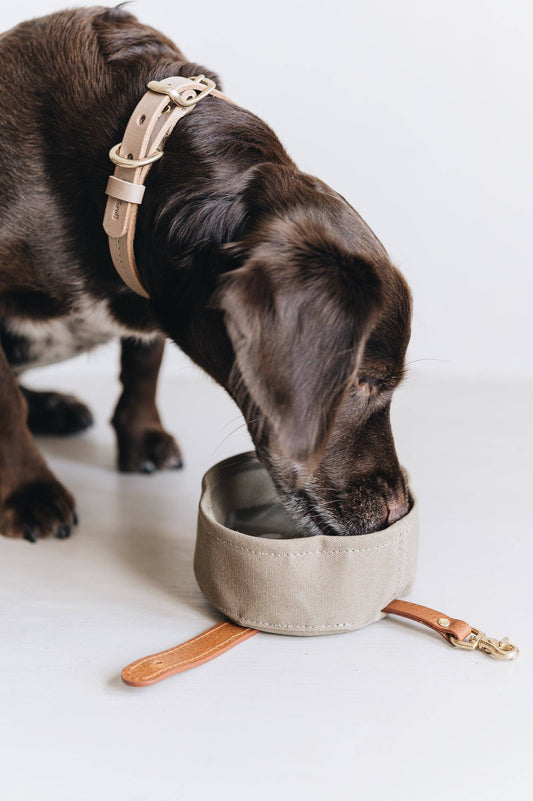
<point x="369" y="383"/>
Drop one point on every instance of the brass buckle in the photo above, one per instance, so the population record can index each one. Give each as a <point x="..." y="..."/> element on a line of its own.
<point x="174" y="93"/>
<point x="499" y="649"/>
<point x="120" y="161"/>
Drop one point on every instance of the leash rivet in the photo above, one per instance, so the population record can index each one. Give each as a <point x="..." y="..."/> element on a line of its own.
<point x="444" y="622"/>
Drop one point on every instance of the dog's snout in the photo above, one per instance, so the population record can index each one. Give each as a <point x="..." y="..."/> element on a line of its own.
<point x="398" y="506"/>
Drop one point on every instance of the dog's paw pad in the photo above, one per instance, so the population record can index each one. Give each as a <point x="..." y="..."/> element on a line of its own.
<point x="38" y="509"/>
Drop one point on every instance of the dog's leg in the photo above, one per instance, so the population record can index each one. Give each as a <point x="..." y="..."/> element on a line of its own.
<point x="55" y="413"/>
<point x="33" y="503"/>
<point x="143" y="444"/>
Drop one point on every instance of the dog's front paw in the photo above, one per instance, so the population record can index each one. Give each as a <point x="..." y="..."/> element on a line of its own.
<point x="151" y="449"/>
<point x="55" y="413"/>
<point x="38" y="509"/>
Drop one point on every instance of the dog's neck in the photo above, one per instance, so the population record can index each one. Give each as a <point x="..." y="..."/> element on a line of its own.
<point x="194" y="203"/>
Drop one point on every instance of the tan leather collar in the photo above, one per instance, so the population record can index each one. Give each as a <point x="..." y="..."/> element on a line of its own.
<point x="149" y="127"/>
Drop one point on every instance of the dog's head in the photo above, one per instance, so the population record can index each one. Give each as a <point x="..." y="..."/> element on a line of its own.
<point x="319" y="322"/>
<point x="301" y="316"/>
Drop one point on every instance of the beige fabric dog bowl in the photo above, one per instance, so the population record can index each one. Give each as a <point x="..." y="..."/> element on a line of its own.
<point x="274" y="580"/>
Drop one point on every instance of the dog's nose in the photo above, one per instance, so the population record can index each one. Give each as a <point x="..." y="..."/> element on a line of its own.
<point x="398" y="507"/>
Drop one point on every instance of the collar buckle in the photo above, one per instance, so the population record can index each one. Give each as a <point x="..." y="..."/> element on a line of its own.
<point x="174" y="93"/>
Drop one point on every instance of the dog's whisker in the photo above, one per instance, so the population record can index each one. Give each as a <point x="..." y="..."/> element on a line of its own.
<point x="231" y="433"/>
<point x="244" y="424"/>
<point x="233" y="419"/>
<point x="429" y="359"/>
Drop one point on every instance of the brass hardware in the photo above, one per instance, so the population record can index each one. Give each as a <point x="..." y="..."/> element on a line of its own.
<point x="175" y="97"/>
<point x="120" y="161"/>
<point x="174" y="93"/>
<point x="444" y="622"/>
<point x="499" y="649"/>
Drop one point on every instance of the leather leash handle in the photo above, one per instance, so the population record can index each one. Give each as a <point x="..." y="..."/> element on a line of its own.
<point x="204" y="647"/>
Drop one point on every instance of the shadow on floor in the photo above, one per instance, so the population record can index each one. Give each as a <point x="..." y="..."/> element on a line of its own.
<point x="83" y="448"/>
<point x="149" y="520"/>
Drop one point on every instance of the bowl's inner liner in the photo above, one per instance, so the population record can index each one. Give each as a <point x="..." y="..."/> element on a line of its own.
<point x="246" y="501"/>
<point x="268" y="520"/>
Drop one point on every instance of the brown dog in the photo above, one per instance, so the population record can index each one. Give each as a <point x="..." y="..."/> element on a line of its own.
<point x="263" y="275"/>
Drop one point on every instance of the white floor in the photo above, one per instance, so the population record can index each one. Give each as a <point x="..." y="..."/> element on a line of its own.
<point x="389" y="712"/>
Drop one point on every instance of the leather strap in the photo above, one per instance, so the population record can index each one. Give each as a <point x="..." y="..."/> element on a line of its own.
<point x="213" y="642"/>
<point x="150" y="125"/>
<point x="220" y="638"/>
<point x="440" y="623"/>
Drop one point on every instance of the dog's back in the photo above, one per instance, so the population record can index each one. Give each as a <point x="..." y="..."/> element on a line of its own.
<point x="58" y="74"/>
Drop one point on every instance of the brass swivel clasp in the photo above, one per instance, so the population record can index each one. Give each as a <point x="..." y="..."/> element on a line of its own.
<point x="499" y="649"/>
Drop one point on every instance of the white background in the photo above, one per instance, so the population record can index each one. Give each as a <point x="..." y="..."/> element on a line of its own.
<point x="425" y="126"/>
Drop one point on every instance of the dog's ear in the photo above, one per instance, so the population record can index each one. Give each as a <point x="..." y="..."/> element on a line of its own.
<point x="298" y="333"/>
<point x="122" y="38"/>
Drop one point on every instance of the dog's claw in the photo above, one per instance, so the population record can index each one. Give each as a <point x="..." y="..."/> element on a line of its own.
<point x="75" y="518"/>
<point x="147" y="467"/>
<point x="29" y="534"/>
<point x="63" y="532"/>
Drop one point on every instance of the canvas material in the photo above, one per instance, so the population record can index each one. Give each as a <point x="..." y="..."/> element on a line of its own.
<point x="305" y="586"/>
